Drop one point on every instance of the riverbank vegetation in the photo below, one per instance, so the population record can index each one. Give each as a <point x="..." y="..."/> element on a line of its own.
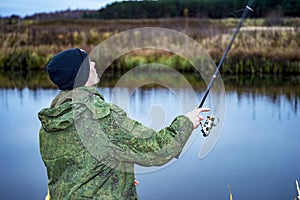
<point x="258" y="49"/>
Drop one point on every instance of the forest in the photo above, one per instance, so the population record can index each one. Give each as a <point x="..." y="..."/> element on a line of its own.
<point x="194" y="8"/>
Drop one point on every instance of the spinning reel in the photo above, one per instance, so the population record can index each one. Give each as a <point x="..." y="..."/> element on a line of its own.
<point x="209" y="123"/>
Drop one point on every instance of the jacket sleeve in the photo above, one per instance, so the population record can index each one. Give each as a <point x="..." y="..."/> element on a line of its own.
<point x="141" y="145"/>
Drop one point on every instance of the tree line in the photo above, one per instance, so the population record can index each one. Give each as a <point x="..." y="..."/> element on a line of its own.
<point x="134" y="9"/>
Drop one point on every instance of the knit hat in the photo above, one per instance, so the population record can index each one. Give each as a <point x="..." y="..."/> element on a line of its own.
<point x="69" y="69"/>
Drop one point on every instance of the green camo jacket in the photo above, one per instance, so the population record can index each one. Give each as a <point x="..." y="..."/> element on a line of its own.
<point x="90" y="147"/>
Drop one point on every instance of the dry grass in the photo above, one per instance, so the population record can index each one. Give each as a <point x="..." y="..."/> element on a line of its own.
<point x="257" y="49"/>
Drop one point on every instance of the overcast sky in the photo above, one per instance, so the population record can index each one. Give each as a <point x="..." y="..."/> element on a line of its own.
<point x="29" y="7"/>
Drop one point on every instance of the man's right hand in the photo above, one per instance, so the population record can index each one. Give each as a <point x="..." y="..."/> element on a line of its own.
<point x="195" y="116"/>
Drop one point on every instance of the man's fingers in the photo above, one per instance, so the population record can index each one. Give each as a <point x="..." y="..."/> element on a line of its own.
<point x="201" y="117"/>
<point x="200" y="110"/>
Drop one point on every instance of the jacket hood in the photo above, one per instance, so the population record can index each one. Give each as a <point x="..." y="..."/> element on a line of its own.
<point x="56" y="119"/>
<point x="68" y="105"/>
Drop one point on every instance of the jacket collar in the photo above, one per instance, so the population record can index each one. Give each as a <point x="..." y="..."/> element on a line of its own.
<point x="75" y="95"/>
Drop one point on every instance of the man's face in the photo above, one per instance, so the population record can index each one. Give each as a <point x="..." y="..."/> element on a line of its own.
<point x="93" y="76"/>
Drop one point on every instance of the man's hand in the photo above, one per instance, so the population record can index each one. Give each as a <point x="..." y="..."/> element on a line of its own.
<point x="195" y="116"/>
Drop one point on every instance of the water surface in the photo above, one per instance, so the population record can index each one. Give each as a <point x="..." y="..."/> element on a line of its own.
<point x="258" y="153"/>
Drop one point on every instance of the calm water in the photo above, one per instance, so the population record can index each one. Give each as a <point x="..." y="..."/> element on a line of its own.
<point x="258" y="153"/>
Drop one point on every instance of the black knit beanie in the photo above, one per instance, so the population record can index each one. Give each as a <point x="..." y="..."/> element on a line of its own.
<point x="69" y="69"/>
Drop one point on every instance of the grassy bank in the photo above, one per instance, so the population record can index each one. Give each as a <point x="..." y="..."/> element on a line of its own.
<point x="258" y="49"/>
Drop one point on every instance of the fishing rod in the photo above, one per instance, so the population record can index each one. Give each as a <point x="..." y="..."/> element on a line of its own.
<point x="212" y="121"/>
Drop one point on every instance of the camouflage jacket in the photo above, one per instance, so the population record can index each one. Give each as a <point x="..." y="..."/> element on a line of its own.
<point x="90" y="146"/>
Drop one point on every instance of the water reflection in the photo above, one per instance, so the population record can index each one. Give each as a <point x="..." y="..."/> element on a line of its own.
<point x="282" y="92"/>
<point x="281" y="104"/>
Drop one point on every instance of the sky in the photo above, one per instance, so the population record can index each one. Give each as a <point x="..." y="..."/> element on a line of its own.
<point x="29" y="7"/>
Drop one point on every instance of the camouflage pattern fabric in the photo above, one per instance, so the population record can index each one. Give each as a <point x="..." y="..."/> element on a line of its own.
<point x="90" y="146"/>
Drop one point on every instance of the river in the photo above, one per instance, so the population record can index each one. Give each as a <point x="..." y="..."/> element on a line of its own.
<point x="257" y="154"/>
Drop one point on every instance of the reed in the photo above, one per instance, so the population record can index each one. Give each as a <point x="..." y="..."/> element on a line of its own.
<point x="298" y="190"/>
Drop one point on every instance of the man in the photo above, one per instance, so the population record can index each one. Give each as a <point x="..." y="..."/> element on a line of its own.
<point x="90" y="146"/>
